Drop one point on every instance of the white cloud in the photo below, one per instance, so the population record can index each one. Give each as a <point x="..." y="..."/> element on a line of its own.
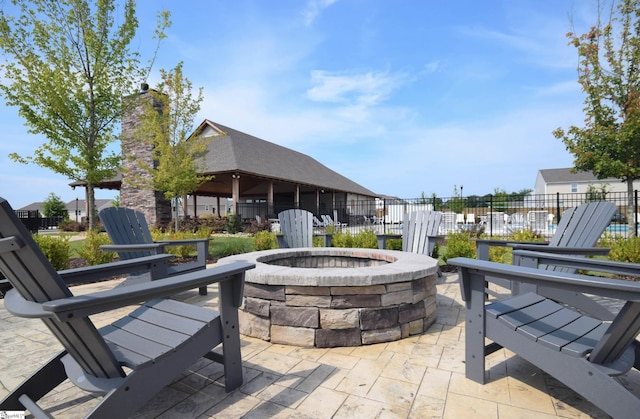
<point x="560" y="88"/>
<point x="366" y="89"/>
<point x="434" y="66"/>
<point x="314" y="8"/>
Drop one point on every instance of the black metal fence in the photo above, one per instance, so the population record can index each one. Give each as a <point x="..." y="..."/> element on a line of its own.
<point x="34" y="222"/>
<point x="387" y="214"/>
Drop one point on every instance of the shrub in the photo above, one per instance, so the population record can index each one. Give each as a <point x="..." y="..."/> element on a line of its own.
<point x="213" y="222"/>
<point x="180" y="251"/>
<point x="504" y="254"/>
<point x="436" y="251"/>
<point x="68" y="225"/>
<point x="256" y="226"/>
<point x="394" y="244"/>
<point x="625" y="250"/>
<point x="233" y="225"/>
<point x="56" y="249"/>
<point x="365" y="239"/>
<point x="265" y="240"/>
<point x="460" y="245"/>
<point x="90" y="250"/>
<point x="341" y="239"/>
<point x="318" y="241"/>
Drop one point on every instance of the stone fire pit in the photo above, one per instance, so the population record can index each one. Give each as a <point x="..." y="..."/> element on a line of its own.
<point x="326" y="296"/>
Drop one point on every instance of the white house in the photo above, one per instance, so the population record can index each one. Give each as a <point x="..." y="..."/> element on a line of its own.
<point x="552" y="181"/>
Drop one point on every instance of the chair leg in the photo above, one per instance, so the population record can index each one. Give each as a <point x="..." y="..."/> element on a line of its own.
<point x="39" y="384"/>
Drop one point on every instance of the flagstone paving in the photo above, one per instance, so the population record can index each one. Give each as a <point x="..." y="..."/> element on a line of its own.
<point x="418" y="377"/>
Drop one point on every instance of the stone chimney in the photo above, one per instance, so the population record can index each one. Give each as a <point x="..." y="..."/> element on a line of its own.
<point x="156" y="209"/>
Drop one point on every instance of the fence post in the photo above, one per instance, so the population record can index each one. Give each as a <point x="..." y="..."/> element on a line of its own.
<point x="558" y="213"/>
<point x="384" y="215"/>
<point x="489" y="216"/>
<point x="635" y="204"/>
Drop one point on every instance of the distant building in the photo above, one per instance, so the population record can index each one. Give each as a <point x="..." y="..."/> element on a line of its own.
<point x="564" y="181"/>
<point x="251" y="176"/>
<point x="77" y="208"/>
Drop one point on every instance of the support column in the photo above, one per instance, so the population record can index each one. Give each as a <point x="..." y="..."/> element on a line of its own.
<point x="297" y="196"/>
<point x="195" y="206"/>
<point x="235" y="192"/>
<point x="270" y="206"/>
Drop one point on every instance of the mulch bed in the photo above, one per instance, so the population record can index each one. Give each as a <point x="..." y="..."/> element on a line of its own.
<point x="448" y="268"/>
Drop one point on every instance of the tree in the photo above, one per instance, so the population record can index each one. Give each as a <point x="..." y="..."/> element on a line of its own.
<point x="68" y="65"/>
<point x="609" y="60"/>
<point x="54" y="207"/>
<point x="456" y="204"/>
<point x="166" y="122"/>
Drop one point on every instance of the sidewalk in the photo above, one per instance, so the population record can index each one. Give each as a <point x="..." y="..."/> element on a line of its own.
<point x="417" y="377"/>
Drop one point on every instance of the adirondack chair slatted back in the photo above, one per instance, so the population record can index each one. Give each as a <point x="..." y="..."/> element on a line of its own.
<point x="417" y="227"/>
<point x="296" y="226"/>
<point x="33" y="277"/>
<point x="583" y="225"/>
<point x="126" y="226"/>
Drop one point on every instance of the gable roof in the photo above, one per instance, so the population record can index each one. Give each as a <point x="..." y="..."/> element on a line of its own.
<point x="567" y="176"/>
<point x="70" y="206"/>
<point x="235" y="151"/>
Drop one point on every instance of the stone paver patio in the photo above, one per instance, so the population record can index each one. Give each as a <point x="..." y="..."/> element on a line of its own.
<point x="418" y="377"/>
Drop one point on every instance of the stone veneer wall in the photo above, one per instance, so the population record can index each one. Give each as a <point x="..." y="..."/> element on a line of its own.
<point x="329" y="316"/>
<point x="156" y="209"/>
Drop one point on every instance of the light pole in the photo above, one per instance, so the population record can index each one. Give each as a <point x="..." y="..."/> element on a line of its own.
<point x="76" y="209"/>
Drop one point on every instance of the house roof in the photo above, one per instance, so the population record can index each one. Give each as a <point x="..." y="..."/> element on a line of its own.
<point x="235" y="151"/>
<point x="567" y="176"/>
<point x="70" y="206"/>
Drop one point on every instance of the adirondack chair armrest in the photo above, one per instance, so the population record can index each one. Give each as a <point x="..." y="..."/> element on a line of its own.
<point x="603" y="251"/>
<point x="155" y="264"/>
<point x="482" y="246"/>
<point x="156" y="248"/>
<point x="488" y="271"/>
<point x="85" y="305"/>
<point x="499" y="242"/>
<point x="533" y="259"/>
<point x="185" y="242"/>
<point x="18" y="306"/>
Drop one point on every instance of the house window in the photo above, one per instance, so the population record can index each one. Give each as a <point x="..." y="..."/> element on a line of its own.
<point x="206" y="207"/>
<point x="574" y="187"/>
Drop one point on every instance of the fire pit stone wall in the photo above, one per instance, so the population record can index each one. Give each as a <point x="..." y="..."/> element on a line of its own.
<point x="327" y="297"/>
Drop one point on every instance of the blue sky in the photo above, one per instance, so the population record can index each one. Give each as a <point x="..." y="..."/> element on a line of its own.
<point x="403" y="96"/>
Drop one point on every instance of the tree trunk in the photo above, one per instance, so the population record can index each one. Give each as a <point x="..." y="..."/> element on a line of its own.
<point x="184" y="207"/>
<point x="631" y="212"/>
<point x="91" y="206"/>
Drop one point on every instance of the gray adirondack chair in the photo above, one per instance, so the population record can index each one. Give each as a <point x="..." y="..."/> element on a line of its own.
<point x="420" y="232"/>
<point x="129" y="233"/>
<point x="296" y="226"/>
<point x="155" y="342"/>
<point x="581" y="351"/>
<point x="577" y="233"/>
